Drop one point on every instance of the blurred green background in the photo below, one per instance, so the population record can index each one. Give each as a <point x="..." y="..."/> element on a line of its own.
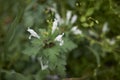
<point x="97" y="56"/>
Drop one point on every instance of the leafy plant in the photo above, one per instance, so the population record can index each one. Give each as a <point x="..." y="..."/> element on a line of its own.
<point x="54" y="39"/>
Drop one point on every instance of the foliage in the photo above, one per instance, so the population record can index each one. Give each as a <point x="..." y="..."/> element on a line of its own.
<point x="91" y="41"/>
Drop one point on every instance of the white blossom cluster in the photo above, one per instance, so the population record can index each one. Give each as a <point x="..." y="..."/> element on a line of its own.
<point x="59" y="39"/>
<point x="70" y="20"/>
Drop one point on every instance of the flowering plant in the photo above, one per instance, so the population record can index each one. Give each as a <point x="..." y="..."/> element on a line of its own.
<point x="52" y="45"/>
<point x="52" y="39"/>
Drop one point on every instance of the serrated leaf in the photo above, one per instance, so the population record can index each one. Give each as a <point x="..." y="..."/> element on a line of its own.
<point x="61" y="70"/>
<point x="37" y="42"/>
<point x="68" y="46"/>
<point x="31" y="51"/>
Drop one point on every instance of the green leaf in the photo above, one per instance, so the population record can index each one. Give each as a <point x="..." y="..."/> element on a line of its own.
<point x="61" y="70"/>
<point x="12" y="75"/>
<point x="89" y="11"/>
<point x="68" y="45"/>
<point x="41" y="75"/>
<point x="31" y="51"/>
<point x="52" y="55"/>
<point x="83" y="18"/>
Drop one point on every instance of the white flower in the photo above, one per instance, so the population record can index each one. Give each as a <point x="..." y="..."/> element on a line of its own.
<point x="92" y="33"/>
<point x="105" y="27"/>
<point x="69" y="18"/>
<point x="68" y="15"/>
<point x="43" y="66"/>
<point x="111" y="41"/>
<point x="74" y="18"/>
<point x="59" y="19"/>
<point x="61" y="42"/>
<point x="59" y="39"/>
<point x="52" y="9"/>
<point x="54" y="27"/>
<point x="57" y="16"/>
<point x="76" y="31"/>
<point x="32" y="33"/>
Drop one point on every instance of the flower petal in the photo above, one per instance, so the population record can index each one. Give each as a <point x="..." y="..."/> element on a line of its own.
<point x="32" y="33"/>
